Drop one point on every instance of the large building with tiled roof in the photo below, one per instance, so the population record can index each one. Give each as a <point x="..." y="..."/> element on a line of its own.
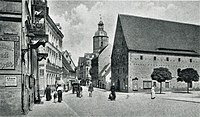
<point x="142" y="44"/>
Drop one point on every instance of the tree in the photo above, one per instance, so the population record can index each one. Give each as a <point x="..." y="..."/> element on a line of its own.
<point x="188" y="75"/>
<point x="161" y="74"/>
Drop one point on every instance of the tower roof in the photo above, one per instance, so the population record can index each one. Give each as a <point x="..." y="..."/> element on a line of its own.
<point x="100" y="31"/>
<point x="100" y="23"/>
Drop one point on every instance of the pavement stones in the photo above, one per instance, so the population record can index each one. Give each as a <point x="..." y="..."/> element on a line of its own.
<point x="51" y="109"/>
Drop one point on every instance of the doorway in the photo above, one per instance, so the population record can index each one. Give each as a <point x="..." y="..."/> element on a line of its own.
<point x="135" y="84"/>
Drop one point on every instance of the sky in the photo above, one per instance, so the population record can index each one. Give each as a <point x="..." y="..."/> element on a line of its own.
<point x="79" y="19"/>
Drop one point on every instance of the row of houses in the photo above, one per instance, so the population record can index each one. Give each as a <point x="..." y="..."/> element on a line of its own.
<point x="95" y="67"/>
<point x="31" y="56"/>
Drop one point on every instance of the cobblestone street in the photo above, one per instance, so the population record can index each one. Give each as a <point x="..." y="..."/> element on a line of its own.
<point x="126" y="104"/>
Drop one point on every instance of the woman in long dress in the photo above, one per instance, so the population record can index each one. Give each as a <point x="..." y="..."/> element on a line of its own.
<point x="153" y="93"/>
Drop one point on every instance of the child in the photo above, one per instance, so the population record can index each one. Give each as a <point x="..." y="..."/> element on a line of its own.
<point x="55" y="94"/>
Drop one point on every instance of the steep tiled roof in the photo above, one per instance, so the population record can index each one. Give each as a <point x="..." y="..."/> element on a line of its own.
<point x="149" y="34"/>
<point x="67" y="65"/>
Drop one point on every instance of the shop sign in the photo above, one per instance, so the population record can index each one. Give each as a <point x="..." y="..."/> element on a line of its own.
<point x="7" y="55"/>
<point x="11" y="81"/>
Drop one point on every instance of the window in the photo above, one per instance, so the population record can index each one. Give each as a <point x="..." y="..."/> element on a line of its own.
<point x="190" y="60"/>
<point x="179" y="59"/>
<point x="147" y="84"/>
<point x="166" y="84"/>
<point x="167" y="59"/>
<point x="154" y="58"/>
<point x="154" y="84"/>
<point x="141" y="57"/>
<point x="101" y="43"/>
<point x="41" y="72"/>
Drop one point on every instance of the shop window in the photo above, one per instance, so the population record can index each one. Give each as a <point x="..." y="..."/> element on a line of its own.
<point x="166" y="84"/>
<point x="147" y="84"/>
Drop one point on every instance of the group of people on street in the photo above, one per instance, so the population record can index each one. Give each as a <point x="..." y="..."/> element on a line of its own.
<point x="56" y="94"/>
<point x="80" y="91"/>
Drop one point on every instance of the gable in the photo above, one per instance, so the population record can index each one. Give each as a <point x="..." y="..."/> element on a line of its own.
<point x="119" y="41"/>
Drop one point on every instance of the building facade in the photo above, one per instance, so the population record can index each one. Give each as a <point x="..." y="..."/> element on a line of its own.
<point x="142" y="44"/>
<point x="51" y="68"/>
<point x="20" y="38"/>
<point x="69" y="70"/>
<point x="84" y="66"/>
<point x="104" y="64"/>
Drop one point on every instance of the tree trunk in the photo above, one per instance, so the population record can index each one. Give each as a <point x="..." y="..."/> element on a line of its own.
<point x="160" y="87"/>
<point x="187" y="87"/>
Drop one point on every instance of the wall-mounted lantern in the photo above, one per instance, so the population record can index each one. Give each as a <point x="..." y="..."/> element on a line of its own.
<point x="23" y="54"/>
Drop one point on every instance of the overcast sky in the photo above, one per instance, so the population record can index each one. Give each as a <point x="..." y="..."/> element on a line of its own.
<point x="79" y="19"/>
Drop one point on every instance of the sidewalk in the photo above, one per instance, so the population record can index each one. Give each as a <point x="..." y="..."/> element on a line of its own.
<point x="193" y="97"/>
<point x="51" y="109"/>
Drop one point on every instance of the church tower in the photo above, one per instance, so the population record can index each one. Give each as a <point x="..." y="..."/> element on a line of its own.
<point x="100" y="39"/>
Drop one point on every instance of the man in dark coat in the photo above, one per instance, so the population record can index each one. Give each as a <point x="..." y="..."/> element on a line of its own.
<point x="112" y="95"/>
<point x="59" y="90"/>
<point x="48" y="93"/>
<point x="90" y="89"/>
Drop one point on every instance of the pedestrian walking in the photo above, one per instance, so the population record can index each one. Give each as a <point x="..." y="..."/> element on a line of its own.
<point x="112" y="95"/>
<point x="153" y="92"/>
<point x="47" y="92"/>
<point x="90" y="89"/>
<point x="55" y="95"/>
<point x="59" y="90"/>
<point x="81" y="92"/>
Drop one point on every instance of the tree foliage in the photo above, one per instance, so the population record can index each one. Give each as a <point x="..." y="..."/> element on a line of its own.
<point x="188" y="75"/>
<point x="161" y="74"/>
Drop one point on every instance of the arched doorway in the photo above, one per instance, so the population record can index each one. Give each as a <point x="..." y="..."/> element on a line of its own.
<point x="118" y="85"/>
